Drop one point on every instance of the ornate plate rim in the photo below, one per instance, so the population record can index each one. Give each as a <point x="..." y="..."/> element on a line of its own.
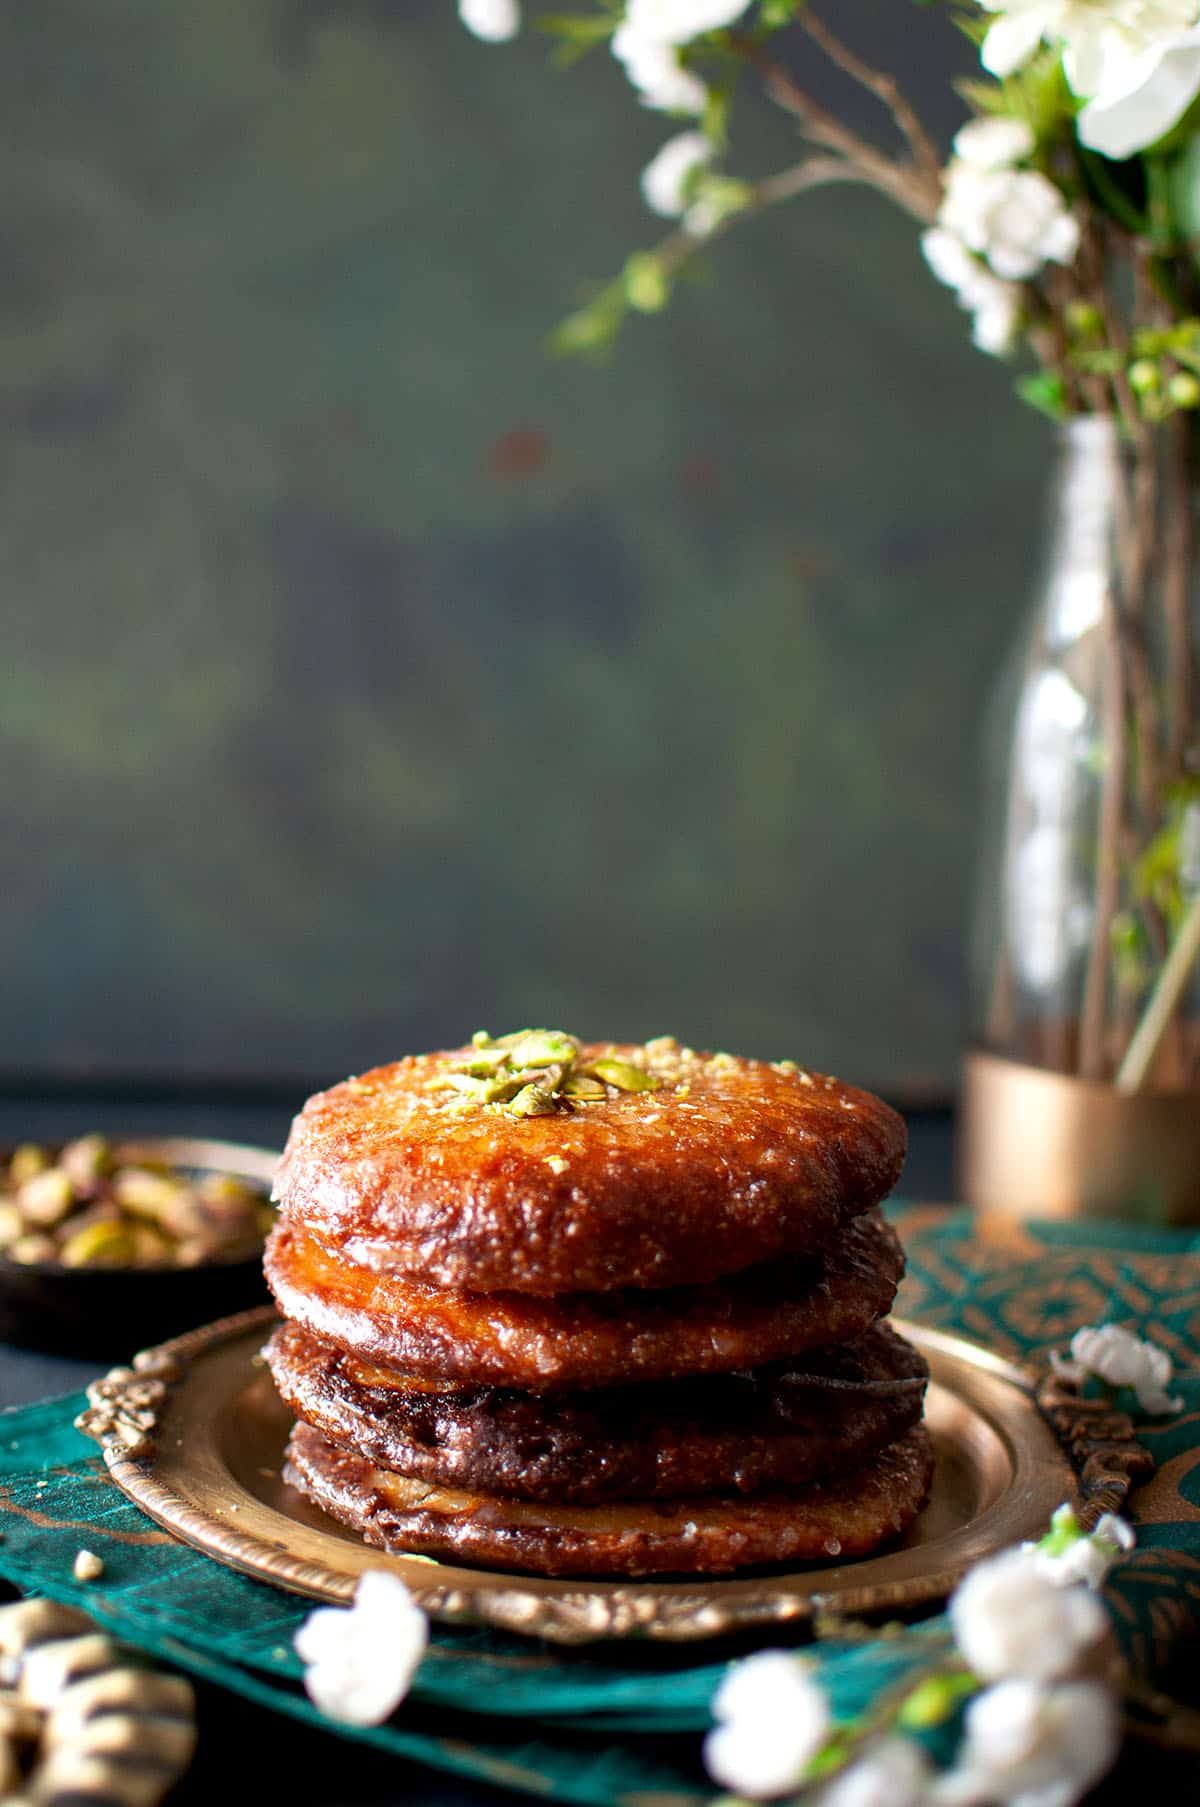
<point x="178" y="1488"/>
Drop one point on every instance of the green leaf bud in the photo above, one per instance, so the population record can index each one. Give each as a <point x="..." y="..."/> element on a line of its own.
<point x="647" y="286"/>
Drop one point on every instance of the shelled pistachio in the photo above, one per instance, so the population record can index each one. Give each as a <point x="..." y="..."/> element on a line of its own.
<point x="535" y="1073"/>
<point x="84" y="1206"/>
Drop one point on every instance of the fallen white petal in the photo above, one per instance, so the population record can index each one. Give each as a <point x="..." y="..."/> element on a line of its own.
<point x="360" y="1660"/>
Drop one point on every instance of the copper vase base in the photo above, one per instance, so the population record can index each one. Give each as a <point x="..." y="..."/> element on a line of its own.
<point x="1039" y="1144"/>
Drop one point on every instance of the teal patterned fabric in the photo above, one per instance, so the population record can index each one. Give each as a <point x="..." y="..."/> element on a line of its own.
<point x="596" y="1727"/>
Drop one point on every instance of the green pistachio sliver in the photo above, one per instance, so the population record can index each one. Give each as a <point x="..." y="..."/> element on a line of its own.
<point x="471" y="1085"/>
<point x="483" y="1064"/>
<point x="584" y="1086"/>
<point x="474" y="1089"/>
<point x="544" y="1047"/>
<point x="623" y="1075"/>
<point x="532" y="1101"/>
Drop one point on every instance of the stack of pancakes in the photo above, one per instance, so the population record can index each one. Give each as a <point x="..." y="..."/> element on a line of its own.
<point x="597" y="1309"/>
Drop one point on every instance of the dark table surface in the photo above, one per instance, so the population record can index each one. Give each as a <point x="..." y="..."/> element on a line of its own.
<point x="299" y="1764"/>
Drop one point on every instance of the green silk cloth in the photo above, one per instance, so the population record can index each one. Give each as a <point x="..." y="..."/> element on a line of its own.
<point x="620" y="1725"/>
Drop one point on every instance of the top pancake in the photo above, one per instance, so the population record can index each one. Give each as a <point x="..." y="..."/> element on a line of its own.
<point x="726" y="1163"/>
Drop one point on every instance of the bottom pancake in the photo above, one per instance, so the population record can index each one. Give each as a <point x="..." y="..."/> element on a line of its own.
<point x="845" y="1517"/>
<point x="726" y="1433"/>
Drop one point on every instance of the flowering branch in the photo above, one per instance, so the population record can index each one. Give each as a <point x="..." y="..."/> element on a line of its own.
<point x="902" y="184"/>
<point x="887" y="90"/>
<point x="645" y="283"/>
<point x="1021" y="1628"/>
<point x="1066" y="222"/>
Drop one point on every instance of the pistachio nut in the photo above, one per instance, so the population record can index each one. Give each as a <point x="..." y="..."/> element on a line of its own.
<point x="32" y="1249"/>
<point x="584" y="1088"/>
<point x="544" y="1047"/>
<point x="226" y="1200"/>
<point x="623" y="1075"/>
<point x="47" y="1198"/>
<point x="85" y="1161"/>
<point x="534" y="1100"/>
<point x="151" y="1248"/>
<point x="100" y="1245"/>
<point x="27" y="1160"/>
<point x="11" y="1223"/>
<point x="143" y="1193"/>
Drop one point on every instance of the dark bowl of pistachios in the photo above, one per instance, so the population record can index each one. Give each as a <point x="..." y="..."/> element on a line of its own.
<point x="109" y="1246"/>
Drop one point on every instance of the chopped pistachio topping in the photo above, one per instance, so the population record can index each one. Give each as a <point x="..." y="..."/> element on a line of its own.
<point x="583" y="1086"/>
<point x="624" y="1076"/>
<point x="534" y="1073"/>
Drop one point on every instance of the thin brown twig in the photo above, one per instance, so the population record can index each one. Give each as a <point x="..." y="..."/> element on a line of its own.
<point x="1048" y="335"/>
<point x="1136" y="527"/>
<point x="903" y="183"/>
<point x="887" y="90"/>
<point x="1177" y="574"/>
<point x="678" y="247"/>
<point x="1108" y="873"/>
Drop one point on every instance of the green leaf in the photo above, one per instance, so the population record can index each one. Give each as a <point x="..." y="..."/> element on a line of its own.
<point x="647" y="283"/>
<point x="1038" y="94"/>
<point x="1159" y="203"/>
<point x="1184" y="188"/>
<point x="715" y="123"/>
<point x="1045" y="391"/>
<point x="774" y="15"/>
<point x="576" y="33"/>
<point x="591" y="331"/>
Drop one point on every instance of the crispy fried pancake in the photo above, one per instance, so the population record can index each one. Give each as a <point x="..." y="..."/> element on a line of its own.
<point x="848" y="1516"/>
<point x="729" y="1163"/>
<point x="767" y="1314"/>
<point x="731" y="1433"/>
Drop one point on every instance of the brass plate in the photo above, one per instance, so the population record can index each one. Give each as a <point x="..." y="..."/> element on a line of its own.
<point x="195" y="1437"/>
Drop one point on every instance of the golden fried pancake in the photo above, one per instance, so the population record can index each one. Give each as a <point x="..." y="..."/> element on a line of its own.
<point x="848" y="1516"/>
<point x="540" y="1345"/>
<point x="725" y="1164"/>
<point x="729" y="1433"/>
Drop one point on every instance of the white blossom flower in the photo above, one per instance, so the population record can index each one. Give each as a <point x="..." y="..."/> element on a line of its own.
<point x="1123" y="1360"/>
<point x="772" y="1719"/>
<point x="1145" y="100"/>
<point x="994" y="143"/>
<point x="1016" y="218"/>
<point x="665" y="178"/>
<point x="1007" y="1619"/>
<point x="679" y="21"/>
<point x="997" y="324"/>
<point x="656" y="72"/>
<point x="895" y="1773"/>
<point x="1029" y="1746"/>
<point x="360" y="1660"/>
<point x="493" y="20"/>
<point x="1098" y="38"/>
<point x="1086" y="1560"/>
<point x="996" y="305"/>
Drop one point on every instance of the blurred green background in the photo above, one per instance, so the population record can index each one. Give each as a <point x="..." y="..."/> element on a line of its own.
<point x="370" y="676"/>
